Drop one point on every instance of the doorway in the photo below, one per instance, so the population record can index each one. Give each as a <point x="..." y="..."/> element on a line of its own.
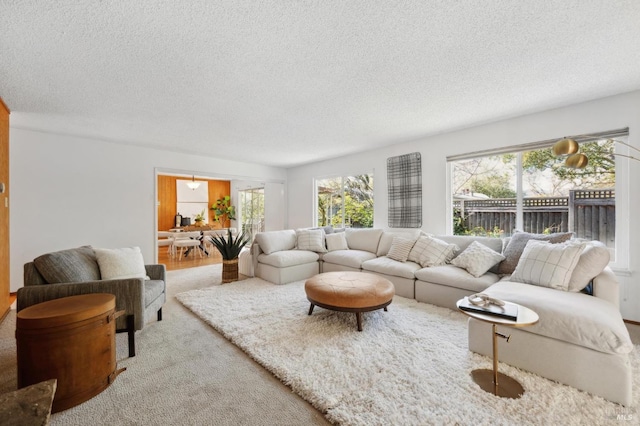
<point x="187" y="197"/>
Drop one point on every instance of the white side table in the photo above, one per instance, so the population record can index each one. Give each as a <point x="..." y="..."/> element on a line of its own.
<point x="491" y="380"/>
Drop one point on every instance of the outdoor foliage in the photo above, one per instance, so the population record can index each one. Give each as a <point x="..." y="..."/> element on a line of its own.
<point x="356" y="195"/>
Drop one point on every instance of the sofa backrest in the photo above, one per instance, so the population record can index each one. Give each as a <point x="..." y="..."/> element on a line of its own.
<point x="273" y="241"/>
<point x="386" y="239"/>
<point x="365" y="239"/>
<point x="463" y="241"/>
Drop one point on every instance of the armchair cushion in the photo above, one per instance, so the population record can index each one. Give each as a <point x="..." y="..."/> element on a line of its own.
<point x="68" y="266"/>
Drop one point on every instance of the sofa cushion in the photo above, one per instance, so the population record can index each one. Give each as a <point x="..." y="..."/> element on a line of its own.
<point x="310" y="239"/>
<point x="429" y="251"/>
<point x="68" y="266"/>
<point x="548" y="265"/>
<point x="477" y="259"/>
<point x="572" y="317"/>
<point x="517" y="243"/>
<point x="593" y="259"/>
<point x="386" y="239"/>
<point x="120" y="263"/>
<point x="387" y="266"/>
<point x="273" y="241"/>
<point x="350" y="258"/>
<point x="363" y="239"/>
<point x="452" y="276"/>
<point x="400" y="249"/>
<point x="285" y="258"/>
<point x="336" y="241"/>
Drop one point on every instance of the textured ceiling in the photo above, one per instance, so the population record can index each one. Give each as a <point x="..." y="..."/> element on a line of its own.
<point x="285" y="83"/>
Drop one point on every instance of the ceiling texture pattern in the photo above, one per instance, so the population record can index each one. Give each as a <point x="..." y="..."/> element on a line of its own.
<point x="285" y="83"/>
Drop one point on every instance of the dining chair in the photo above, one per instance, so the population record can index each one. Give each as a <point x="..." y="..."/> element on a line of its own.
<point x="165" y="239"/>
<point x="186" y="240"/>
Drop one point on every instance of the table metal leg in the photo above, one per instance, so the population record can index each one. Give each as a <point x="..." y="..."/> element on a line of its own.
<point x="493" y="381"/>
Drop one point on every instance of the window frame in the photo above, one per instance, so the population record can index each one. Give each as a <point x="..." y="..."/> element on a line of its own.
<point x="621" y="264"/>
<point x="343" y="177"/>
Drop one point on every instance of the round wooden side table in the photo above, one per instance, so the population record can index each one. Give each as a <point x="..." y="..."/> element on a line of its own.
<point x="493" y="381"/>
<point x="71" y="339"/>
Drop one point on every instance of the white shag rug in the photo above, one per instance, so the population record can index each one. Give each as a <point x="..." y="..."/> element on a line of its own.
<point x="410" y="365"/>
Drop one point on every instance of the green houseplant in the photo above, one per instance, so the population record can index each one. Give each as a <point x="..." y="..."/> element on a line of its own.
<point x="230" y="249"/>
<point x="223" y="211"/>
<point x="199" y="218"/>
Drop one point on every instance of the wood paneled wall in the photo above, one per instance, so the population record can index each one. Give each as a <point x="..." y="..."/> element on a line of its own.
<point x="4" y="211"/>
<point x="167" y="198"/>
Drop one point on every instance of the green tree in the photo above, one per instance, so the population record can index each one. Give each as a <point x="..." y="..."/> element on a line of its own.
<point x="599" y="173"/>
<point x="494" y="186"/>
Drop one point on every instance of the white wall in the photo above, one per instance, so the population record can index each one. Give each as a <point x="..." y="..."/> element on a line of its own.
<point x="604" y="114"/>
<point x="69" y="191"/>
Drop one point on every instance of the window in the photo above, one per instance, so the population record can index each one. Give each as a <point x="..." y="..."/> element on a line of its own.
<point x="252" y="210"/>
<point x="527" y="188"/>
<point x="345" y="201"/>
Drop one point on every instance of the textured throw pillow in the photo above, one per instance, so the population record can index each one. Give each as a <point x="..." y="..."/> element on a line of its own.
<point x="400" y="249"/>
<point x="477" y="259"/>
<point x="548" y="265"/>
<point x="429" y="251"/>
<point x="593" y="259"/>
<point x="120" y="263"/>
<point x="518" y="241"/>
<point x="68" y="266"/>
<point x="336" y="241"/>
<point x="310" y="239"/>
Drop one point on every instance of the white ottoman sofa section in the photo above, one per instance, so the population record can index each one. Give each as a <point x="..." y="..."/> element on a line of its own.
<point x="276" y="259"/>
<point x="580" y="340"/>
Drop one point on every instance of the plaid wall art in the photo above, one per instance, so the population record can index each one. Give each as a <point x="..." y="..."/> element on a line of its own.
<point x="404" y="175"/>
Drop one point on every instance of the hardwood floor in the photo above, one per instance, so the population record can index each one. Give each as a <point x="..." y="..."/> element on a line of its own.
<point x="191" y="261"/>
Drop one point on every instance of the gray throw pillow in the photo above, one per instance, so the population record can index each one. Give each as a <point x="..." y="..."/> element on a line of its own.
<point x="68" y="266"/>
<point x="517" y="243"/>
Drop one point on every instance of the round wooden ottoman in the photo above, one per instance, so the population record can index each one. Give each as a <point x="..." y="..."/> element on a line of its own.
<point x="71" y="339"/>
<point x="349" y="292"/>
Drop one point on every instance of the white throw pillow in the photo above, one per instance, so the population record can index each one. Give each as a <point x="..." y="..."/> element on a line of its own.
<point x="429" y="251"/>
<point x="336" y="241"/>
<point x="477" y="259"/>
<point x="593" y="259"/>
<point x="548" y="265"/>
<point x="310" y="239"/>
<point x="120" y="263"/>
<point x="273" y="241"/>
<point x="400" y="249"/>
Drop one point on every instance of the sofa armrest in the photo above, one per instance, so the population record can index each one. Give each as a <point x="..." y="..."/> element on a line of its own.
<point x="605" y="286"/>
<point x="255" y="252"/>
<point x="129" y="295"/>
<point x="156" y="272"/>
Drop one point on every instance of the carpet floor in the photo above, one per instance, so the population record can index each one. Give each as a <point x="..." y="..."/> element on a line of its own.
<point x="184" y="373"/>
<point x="409" y="366"/>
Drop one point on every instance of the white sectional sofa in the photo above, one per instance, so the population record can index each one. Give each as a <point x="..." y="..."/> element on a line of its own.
<point x="580" y="340"/>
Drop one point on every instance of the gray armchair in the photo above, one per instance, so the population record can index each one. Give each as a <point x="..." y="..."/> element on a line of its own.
<point x="141" y="299"/>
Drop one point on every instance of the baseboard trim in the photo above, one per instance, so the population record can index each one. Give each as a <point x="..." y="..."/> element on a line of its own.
<point x="631" y="322"/>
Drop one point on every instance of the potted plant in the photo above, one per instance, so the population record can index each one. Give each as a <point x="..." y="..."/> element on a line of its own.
<point x="230" y="249"/>
<point x="199" y="218"/>
<point x="223" y="211"/>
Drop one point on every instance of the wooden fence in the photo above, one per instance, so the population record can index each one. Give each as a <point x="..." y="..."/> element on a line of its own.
<point x="587" y="213"/>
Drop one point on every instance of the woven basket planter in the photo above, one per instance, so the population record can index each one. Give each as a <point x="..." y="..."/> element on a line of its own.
<point x="229" y="270"/>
